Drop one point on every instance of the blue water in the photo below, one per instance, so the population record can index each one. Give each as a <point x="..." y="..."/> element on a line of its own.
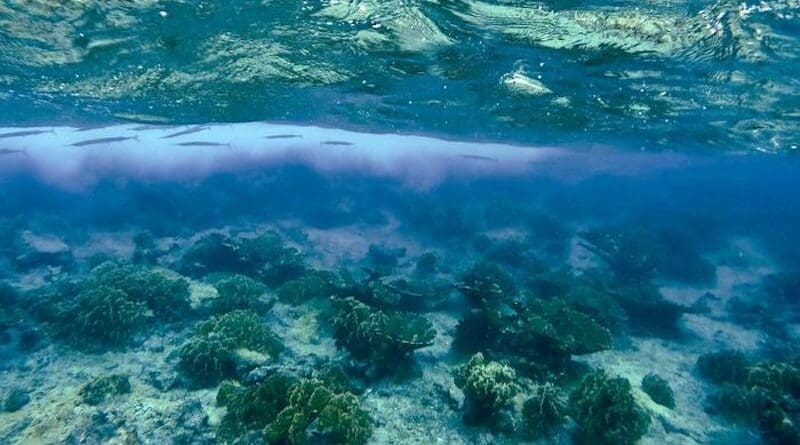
<point x="399" y="222"/>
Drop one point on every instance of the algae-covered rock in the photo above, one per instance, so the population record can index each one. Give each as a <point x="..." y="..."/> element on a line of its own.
<point x="488" y="387"/>
<point x="384" y="258"/>
<point x="606" y="412"/>
<point x="15" y="400"/>
<point x="98" y="390"/>
<point x="545" y="411"/>
<point x="383" y="338"/>
<point x="659" y="390"/>
<point x="427" y="264"/>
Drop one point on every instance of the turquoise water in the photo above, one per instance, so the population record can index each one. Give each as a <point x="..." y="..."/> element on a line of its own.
<point x="661" y="75"/>
<point x="399" y="222"/>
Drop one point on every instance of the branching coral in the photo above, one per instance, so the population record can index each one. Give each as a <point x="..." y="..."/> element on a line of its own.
<point x="764" y="395"/>
<point x="315" y="284"/>
<point x="104" y="316"/>
<point x="380" y="337"/>
<point x="166" y="297"/>
<point x="239" y="292"/>
<point x="488" y="387"/>
<point x="545" y="411"/>
<point x="293" y="411"/>
<point x="606" y="412"/>
<point x="211" y="354"/>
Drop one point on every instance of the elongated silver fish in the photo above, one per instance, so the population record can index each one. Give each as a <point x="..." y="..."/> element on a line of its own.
<point x="203" y="144"/>
<point x="148" y="127"/>
<point x="16" y="134"/>
<point x="283" y="136"/>
<point x="337" y="143"/>
<point x="90" y="127"/>
<point x="479" y="158"/>
<point x="11" y="151"/>
<point x="103" y="141"/>
<point x="185" y="132"/>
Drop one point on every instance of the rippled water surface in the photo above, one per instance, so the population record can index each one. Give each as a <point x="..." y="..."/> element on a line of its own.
<point x="677" y="74"/>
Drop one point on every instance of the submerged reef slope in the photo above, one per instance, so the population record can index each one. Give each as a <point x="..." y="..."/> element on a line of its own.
<point x="289" y="305"/>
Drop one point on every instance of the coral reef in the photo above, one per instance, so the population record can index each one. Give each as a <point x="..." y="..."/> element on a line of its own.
<point x="659" y="390"/>
<point x="221" y="343"/>
<point x="166" y="297"/>
<point x="551" y="331"/>
<point x="723" y="367"/>
<point x="488" y="387"/>
<point x="640" y="255"/>
<point x="764" y="395"/>
<point x="312" y="285"/>
<point x="239" y="292"/>
<point x="103" y="316"/>
<point x="264" y="258"/>
<point x="606" y="412"/>
<point x="382" y="338"/>
<point x="292" y="410"/>
<point x="101" y="388"/>
<point x="485" y="283"/>
<point x="544" y="411"/>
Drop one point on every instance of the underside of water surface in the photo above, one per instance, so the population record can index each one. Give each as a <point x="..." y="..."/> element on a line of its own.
<point x="399" y="222"/>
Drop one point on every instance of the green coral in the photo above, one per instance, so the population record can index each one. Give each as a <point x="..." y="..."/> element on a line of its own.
<point x="380" y="337"/>
<point x="545" y="411"/>
<point x="239" y="292"/>
<point x="606" y="412"/>
<point x="552" y="331"/>
<point x="723" y="367"/>
<point x="292" y="411"/>
<point x="659" y="390"/>
<point x="264" y="258"/>
<point x="98" y="390"/>
<point x="485" y="283"/>
<point x="275" y="262"/>
<point x="166" y="297"/>
<point x="104" y="316"/>
<point x="111" y="304"/>
<point x="766" y="398"/>
<point x="213" y="352"/>
<point x="488" y="387"/>
<point x="316" y="284"/>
